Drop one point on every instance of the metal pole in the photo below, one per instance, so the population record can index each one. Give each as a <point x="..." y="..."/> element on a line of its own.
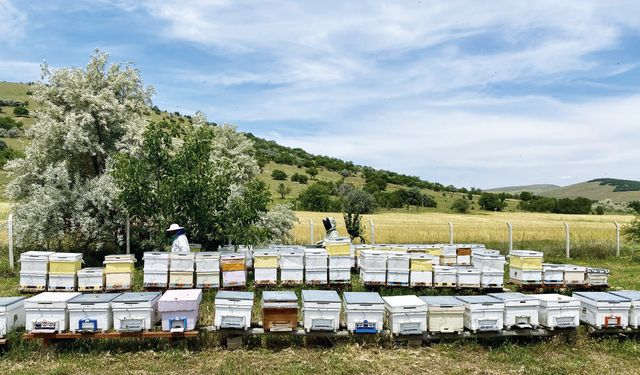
<point x="311" y="236"/>
<point x="567" y="245"/>
<point x="510" y="236"/>
<point x="373" y="232"/>
<point x="128" y="235"/>
<point x="450" y="233"/>
<point x="617" y="238"/>
<point x="10" y="229"/>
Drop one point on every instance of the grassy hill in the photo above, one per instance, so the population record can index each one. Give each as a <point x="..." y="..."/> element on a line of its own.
<point x="536" y="189"/>
<point x="596" y="190"/>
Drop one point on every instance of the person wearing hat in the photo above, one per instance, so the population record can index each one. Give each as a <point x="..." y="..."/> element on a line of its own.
<point x="180" y="242"/>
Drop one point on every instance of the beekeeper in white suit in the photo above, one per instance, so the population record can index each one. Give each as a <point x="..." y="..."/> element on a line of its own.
<point x="180" y="242"/>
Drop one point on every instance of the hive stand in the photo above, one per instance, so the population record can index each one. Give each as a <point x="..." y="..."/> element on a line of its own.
<point x="49" y="338"/>
<point x="562" y="288"/>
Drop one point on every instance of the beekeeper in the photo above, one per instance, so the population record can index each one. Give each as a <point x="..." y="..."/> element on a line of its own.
<point x="180" y="243"/>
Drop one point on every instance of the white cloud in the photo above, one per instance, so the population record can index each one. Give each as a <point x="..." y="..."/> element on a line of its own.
<point x="12" y="23"/>
<point x="19" y="71"/>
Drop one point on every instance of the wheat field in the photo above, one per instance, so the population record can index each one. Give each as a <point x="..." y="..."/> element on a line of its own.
<point x="539" y="230"/>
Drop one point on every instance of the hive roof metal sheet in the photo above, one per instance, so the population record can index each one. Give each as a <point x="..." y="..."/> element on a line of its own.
<point x="229" y="294"/>
<point x="478" y="299"/>
<point x="632" y="295"/>
<point x="512" y="296"/>
<point x="363" y="297"/>
<point x="95" y="298"/>
<point x="441" y="300"/>
<point x="280" y="296"/>
<point x="320" y="296"/>
<point x="137" y="297"/>
<point x="6" y="301"/>
<point x="601" y="296"/>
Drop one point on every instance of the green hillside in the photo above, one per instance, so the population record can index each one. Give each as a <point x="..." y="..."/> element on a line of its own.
<point x="536" y="189"/>
<point x="594" y="190"/>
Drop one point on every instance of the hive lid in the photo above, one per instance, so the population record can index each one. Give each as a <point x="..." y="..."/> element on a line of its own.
<point x="632" y="295"/>
<point x="553" y="297"/>
<point x="526" y="253"/>
<point x="182" y="295"/>
<point x="36" y="253"/>
<point x="441" y="300"/>
<point x="137" y="297"/>
<point x="363" y="297"/>
<point x="208" y="254"/>
<point x="155" y="254"/>
<point x="512" y="296"/>
<point x="90" y="270"/>
<point x="95" y="298"/>
<point x="478" y="299"/>
<point x="279" y="296"/>
<point x="52" y="297"/>
<point x="228" y="294"/>
<point x="395" y="301"/>
<point x="65" y="257"/>
<point x="320" y="296"/>
<point x="601" y="296"/>
<point x="6" y="301"/>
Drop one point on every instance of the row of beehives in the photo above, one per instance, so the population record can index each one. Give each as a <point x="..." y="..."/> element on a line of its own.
<point x="527" y="267"/>
<point x="322" y="310"/>
<point x="44" y="270"/>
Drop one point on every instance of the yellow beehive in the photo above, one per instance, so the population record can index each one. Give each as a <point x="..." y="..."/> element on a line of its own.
<point x="436" y="251"/>
<point x="526" y="260"/>
<point x="339" y="246"/>
<point x="232" y="262"/>
<point x="65" y="263"/>
<point x="119" y="263"/>
<point x="265" y="259"/>
<point x="421" y="265"/>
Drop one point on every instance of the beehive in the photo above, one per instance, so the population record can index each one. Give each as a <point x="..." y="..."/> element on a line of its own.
<point x="445" y="314"/>
<point x="179" y="309"/>
<point x="405" y="315"/>
<point x="338" y="246"/>
<point x="321" y="310"/>
<point x="526" y="259"/>
<point x="233" y="310"/>
<point x="279" y="310"/>
<point x="483" y="313"/>
<point x="520" y="310"/>
<point x="12" y="315"/>
<point x="135" y="312"/>
<point x="47" y="312"/>
<point x="603" y="310"/>
<point x="364" y="312"/>
<point x="91" y="312"/>
<point x="558" y="311"/>
<point x="91" y="279"/>
<point x="65" y="263"/>
<point x="119" y="263"/>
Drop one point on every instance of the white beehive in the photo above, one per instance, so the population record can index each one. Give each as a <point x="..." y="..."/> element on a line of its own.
<point x="47" y="312"/>
<point x="405" y="315"/>
<point x="552" y="274"/>
<point x="156" y="261"/>
<point x="574" y="275"/>
<point x="91" y="312"/>
<point x="12" y="315"/>
<point x="373" y="276"/>
<point x="233" y="310"/>
<point x="445" y="314"/>
<point x="603" y="310"/>
<point x="373" y="260"/>
<point x="62" y="282"/>
<point x="135" y="312"/>
<point x="468" y="277"/>
<point x="316" y="259"/>
<point x="35" y="261"/>
<point x="179" y="309"/>
<point x="597" y="276"/>
<point x="33" y="281"/>
<point x="207" y="280"/>
<point x="340" y="269"/>
<point x="398" y="264"/>
<point x="445" y="276"/>
<point x="207" y="261"/>
<point x="492" y="278"/>
<point x="291" y="258"/>
<point x="364" y="312"/>
<point x="91" y="279"/>
<point x="182" y="262"/>
<point x="321" y="310"/>
<point x="181" y="279"/>
<point x="520" y="310"/>
<point x="558" y="311"/>
<point x="155" y="279"/>
<point x="482" y="313"/>
<point x="487" y="259"/>
<point x="525" y="276"/>
<point x="634" y="311"/>
<point x="420" y="278"/>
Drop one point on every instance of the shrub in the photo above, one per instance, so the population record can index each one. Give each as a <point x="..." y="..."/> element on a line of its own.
<point x="279" y="175"/>
<point x="491" y="202"/>
<point x="318" y="197"/>
<point x="634" y="205"/>
<point x="358" y="201"/>
<point x="9" y="123"/>
<point x="301" y="178"/>
<point x="283" y="190"/>
<point x="312" y="171"/>
<point x="460" y="205"/>
<point x="632" y="231"/>
<point x="21" y="111"/>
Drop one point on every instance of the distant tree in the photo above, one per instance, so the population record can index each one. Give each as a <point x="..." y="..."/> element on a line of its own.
<point x="491" y="202"/>
<point x="358" y="201"/>
<point x="345" y="173"/>
<point x="283" y="190"/>
<point x="317" y="197"/>
<point x="312" y="171"/>
<point x="525" y="196"/>
<point x="299" y="177"/>
<point x="632" y="231"/>
<point x="635" y="205"/>
<point x="278" y="174"/>
<point x="460" y="205"/>
<point x="20" y="111"/>
<point x="599" y="210"/>
<point x="470" y="196"/>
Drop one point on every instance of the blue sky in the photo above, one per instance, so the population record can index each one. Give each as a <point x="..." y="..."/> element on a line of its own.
<point x="457" y="92"/>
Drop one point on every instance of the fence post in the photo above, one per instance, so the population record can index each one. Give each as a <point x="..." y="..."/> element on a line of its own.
<point x="450" y="233"/>
<point x="510" y="236"/>
<point x="617" y="238"/>
<point x="567" y="245"/>
<point x="373" y="232"/>
<point x="311" y="236"/>
<point x="10" y="234"/>
<point x="128" y="235"/>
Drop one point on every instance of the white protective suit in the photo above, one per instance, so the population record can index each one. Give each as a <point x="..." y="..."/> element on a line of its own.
<point x="180" y="244"/>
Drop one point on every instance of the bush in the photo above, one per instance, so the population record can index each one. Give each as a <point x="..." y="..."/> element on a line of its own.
<point x="634" y="205"/>
<point x="279" y="175"/>
<point x="283" y="190"/>
<point x="312" y="171"/>
<point x="21" y="111"/>
<point x="7" y="123"/>
<point x="317" y="197"/>
<point x="599" y="210"/>
<point x="357" y="201"/>
<point x="491" y="202"/>
<point x="301" y="178"/>
<point x="632" y="231"/>
<point x="460" y="205"/>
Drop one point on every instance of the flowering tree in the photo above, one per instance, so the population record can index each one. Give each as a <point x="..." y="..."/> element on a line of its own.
<point x="64" y="197"/>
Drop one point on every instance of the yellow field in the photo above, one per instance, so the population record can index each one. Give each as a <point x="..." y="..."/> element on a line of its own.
<point x="491" y="228"/>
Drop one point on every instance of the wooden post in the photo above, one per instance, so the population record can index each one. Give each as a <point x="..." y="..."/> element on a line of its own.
<point x="311" y="236"/>
<point x="128" y="234"/>
<point x="567" y="245"/>
<point x="510" y="236"/>
<point x="10" y="234"/>
<point x="373" y="232"/>
<point x="617" y="238"/>
<point x="450" y="233"/>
